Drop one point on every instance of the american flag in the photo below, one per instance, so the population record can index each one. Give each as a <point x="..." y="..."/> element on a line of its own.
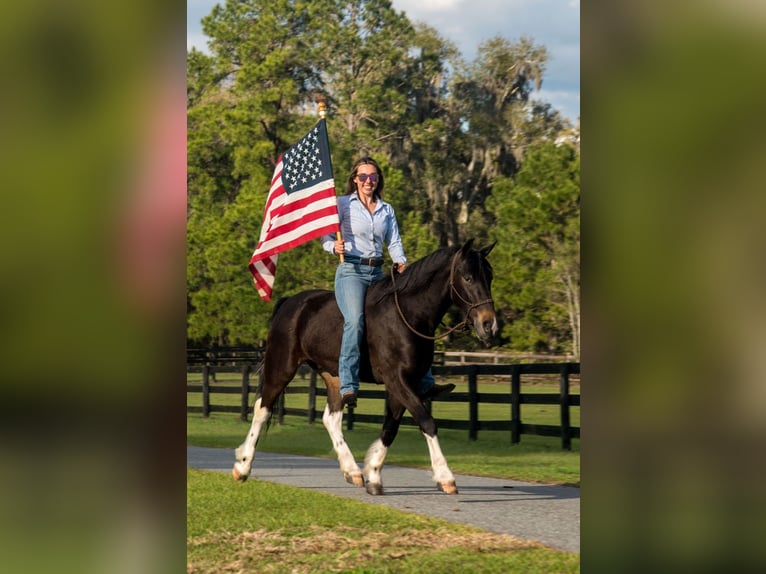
<point x="301" y="205"/>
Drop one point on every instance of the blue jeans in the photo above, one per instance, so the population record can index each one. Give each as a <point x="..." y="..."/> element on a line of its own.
<point x="351" y="283"/>
<point x="426" y="382"/>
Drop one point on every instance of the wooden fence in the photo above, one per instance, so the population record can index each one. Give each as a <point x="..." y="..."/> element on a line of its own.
<point x="564" y="399"/>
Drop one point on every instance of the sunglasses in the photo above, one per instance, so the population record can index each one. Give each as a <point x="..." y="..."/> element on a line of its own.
<point x="373" y="177"/>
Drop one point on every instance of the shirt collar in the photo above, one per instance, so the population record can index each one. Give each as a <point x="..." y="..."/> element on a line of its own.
<point x="355" y="197"/>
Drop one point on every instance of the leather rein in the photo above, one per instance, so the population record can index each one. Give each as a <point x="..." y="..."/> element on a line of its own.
<point x="464" y="324"/>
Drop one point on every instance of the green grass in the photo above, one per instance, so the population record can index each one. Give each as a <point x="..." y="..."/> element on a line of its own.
<point x="269" y="528"/>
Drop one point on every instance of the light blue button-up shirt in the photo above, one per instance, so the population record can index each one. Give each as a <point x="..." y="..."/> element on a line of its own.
<point x="364" y="233"/>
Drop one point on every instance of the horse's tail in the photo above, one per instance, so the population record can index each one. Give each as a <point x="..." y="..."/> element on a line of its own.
<point x="257" y="371"/>
<point x="259" y="368"/>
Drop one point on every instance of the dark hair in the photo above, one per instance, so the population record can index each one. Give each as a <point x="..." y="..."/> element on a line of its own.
<point x="351" y="186"/>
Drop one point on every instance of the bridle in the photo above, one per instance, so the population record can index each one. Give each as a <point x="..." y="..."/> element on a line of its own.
<point x="465" y="324"/>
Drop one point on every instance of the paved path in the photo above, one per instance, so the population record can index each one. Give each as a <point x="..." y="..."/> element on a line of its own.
<point x="545" y="513"/>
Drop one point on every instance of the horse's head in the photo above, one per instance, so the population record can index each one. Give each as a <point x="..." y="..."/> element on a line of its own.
<point x="471" y="288"/>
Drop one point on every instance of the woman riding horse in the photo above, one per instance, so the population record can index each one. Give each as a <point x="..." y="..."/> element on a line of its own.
<point x="366" y="222"/>
<point x="403" y="312"/>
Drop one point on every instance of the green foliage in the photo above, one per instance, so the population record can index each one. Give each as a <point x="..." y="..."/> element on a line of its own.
<point x="445" y="132"/>
<point x="537" y="259"/>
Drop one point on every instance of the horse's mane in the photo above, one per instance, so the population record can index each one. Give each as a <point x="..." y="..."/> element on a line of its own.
<point x="417" y="276"/>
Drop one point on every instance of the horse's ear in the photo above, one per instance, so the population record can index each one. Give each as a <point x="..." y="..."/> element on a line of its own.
<point x="467" y="246"/>
<point x="484" y="252"/>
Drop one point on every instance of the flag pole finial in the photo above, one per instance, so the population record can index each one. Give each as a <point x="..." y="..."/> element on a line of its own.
<point x="322" y="109"/>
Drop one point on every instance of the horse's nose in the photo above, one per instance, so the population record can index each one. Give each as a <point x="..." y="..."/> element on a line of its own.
<point x="485" y="324"/>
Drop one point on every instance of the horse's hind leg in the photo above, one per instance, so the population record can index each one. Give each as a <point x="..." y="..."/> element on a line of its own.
<point x="332" y="419"/>
<point x="274" y="382"/>
<point x="246" y="451"/>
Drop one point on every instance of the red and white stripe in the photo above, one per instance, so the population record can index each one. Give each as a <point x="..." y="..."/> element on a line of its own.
<point x="289" y="220"/>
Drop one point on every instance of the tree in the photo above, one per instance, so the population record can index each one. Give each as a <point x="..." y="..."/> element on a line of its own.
<point x="443" y="131"/>
<point x="497" y="88"/>
<point x="537" y="259"/>
<point x="253" y="98"/>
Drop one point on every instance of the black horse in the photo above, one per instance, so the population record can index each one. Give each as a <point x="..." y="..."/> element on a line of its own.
<point x="402" y="312"/>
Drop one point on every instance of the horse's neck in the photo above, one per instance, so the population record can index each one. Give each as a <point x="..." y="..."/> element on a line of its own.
<point x="430" y="302"/>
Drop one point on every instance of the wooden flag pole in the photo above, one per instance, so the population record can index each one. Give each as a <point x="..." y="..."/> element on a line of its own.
<point x="322" y="114"/>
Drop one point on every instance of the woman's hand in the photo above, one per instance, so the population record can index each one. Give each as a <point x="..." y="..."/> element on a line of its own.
<point x="339" y="246"/>
<point x="400" y="267"/>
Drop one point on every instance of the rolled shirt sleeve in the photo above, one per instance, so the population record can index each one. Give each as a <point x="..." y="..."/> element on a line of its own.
<point x="394" y="240"/>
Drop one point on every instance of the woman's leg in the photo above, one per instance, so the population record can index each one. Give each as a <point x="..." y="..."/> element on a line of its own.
<point x="426" y="383"/>
<point x="428" y="389"/>
<point x="350" y="289"/>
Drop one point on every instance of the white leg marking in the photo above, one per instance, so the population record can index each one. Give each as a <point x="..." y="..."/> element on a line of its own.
<point x="373" y="461"/>
<point x="333" y="422"/>
<point x="245" y="452"/>
<point x="442" y="473"/>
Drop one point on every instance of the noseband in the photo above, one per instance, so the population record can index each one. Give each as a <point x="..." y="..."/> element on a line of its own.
<point x="465" y="324"/>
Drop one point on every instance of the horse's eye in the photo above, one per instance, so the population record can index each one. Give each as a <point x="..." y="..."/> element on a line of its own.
<point x="467" y="278"/>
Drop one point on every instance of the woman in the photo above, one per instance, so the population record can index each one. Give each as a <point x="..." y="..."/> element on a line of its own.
<point x="366" y="222"/>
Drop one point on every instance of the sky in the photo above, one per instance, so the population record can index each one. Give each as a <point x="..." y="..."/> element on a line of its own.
<point x="554" y="24"/>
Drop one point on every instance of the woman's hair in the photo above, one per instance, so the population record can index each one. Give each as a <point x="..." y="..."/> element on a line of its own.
<point x="351" y="185"/>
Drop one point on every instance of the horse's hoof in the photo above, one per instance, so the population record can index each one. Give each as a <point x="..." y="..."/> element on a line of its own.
<point x="447" y="487"/>
<point x="238" y="475"/>
<point x="354" y="478"/>
<point x="374" y="489"/>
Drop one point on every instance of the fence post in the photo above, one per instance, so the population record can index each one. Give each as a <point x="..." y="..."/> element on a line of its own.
<point x="350" y="419"/>
<point x="245" y="393"/>
<point x="515" y="404"/>
<point x="473" y="406"/>
<point x="312" y="396"/>
<point x="205" y="391"/>
<point x="566" y="439"/>
<point x="281" y="409"/>
<point x="212" y="358"/>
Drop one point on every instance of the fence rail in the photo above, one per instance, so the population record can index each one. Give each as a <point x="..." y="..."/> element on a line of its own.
<point x="473" y="397"/>
<point x="482" y="357"/>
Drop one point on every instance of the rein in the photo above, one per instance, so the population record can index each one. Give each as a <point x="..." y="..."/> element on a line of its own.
<point x="464" y="324"/>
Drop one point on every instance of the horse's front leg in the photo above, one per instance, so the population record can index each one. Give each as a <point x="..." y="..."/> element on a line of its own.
<point x="376" y="454"/>
<point x="442" y="475"/>
<point x="332" y="419"/>
<point x="246" y="451"/>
